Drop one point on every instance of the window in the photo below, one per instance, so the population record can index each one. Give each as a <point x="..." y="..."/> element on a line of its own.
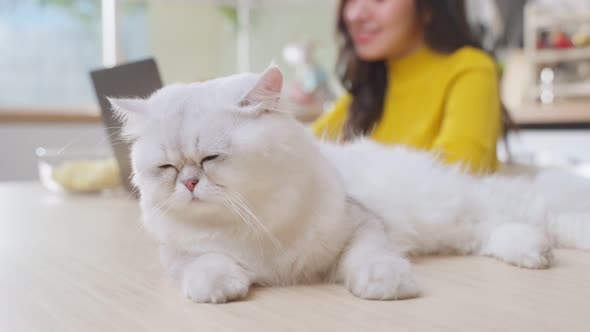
<point x="49" y="46"/>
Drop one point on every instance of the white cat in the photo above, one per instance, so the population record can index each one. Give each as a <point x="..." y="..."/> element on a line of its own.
<point x="238" y="193"/>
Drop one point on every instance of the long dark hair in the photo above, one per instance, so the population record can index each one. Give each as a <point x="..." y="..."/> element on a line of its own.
<point x="446" y="31"/>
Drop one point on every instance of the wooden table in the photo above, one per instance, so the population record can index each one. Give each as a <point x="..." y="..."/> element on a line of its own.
<point x="83" y="263"/>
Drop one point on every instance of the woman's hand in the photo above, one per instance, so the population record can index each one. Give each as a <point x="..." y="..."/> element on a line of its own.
<point x="299" y="96"/>
<point x="309" y="107"/>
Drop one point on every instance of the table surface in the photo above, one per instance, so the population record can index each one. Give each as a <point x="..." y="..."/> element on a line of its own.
<point x="83" y="263"/>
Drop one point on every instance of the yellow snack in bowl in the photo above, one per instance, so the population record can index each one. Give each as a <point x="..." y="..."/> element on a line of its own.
<point x="87" y="175"/>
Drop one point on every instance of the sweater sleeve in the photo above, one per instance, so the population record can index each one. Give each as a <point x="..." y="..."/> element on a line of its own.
<point x="329" y="126"/>
<point x="471" y="121"/>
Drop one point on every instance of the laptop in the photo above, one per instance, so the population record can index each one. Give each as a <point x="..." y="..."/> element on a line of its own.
<point x="134" y="79"/>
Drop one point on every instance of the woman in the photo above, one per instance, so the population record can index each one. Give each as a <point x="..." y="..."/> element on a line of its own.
<point x="415" y="76"/>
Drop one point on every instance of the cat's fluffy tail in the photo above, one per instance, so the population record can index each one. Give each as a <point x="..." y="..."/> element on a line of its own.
<point x="568" y="198"/>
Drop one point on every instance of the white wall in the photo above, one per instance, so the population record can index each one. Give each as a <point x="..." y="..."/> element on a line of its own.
<point x="195" y="42"/>
<point x="19" y="141"/>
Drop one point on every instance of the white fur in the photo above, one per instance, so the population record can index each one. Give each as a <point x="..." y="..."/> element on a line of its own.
<point x="434" y="208"/>
<point x="276" y="208"/>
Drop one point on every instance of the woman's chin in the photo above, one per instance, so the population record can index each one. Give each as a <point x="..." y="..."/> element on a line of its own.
<point x="370" y="53"/>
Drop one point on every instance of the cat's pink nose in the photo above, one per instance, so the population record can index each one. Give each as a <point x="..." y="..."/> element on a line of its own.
<point x="190" y="184"/>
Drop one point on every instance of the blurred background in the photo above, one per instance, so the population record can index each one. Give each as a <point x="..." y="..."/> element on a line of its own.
<point x="48" y="47"/>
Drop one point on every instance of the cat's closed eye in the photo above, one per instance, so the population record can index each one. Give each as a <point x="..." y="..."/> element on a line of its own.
<point x="209" y="158"/>
<point x="167" y="167"/>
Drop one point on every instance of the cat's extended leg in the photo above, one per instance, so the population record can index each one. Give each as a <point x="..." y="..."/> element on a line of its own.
<point x="372" y="269"/>
<point x="571" y="230"/>
<point x="520" y="244"/>
<point x="208" y="278"/>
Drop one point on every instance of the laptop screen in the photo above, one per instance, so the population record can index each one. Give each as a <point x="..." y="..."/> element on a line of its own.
<point x="135" y="79"/>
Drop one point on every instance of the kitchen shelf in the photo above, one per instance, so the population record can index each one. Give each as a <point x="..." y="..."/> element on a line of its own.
<point x="566" y="90"/>
<point x="545" y="19"/>
<point x="539" y="19"/>
<point x="566" y="112"/>
<point x="560" y="55"/>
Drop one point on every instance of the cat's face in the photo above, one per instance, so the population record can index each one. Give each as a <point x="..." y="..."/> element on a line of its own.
<point x="209" y="147"/>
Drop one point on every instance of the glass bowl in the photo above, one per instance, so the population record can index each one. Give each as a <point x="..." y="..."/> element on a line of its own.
<point x="77" y="170"/>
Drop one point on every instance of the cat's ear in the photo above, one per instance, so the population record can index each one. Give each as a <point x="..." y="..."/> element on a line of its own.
<point x="265" y="94"/>
<point x="132" y="112"/>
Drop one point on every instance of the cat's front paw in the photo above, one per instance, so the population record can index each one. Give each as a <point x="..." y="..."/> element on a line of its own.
<point x="383" y="278"/>
<point x="214" y="285"/>
<point x="521" y="245"/>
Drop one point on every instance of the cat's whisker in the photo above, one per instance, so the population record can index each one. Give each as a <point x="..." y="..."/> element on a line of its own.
<point x="239" y="207"/>
<point x="67" y="146"/>
<point x="246" y="209"/>
<point x="118" y="143"/>
<point x="134" y="192"/>
<point x="244" y="206"/>
<point x="79" y="137"/>
<point x="159" y="207"/>
<point x="236" y="210"/>
<point x="110" y="136"/>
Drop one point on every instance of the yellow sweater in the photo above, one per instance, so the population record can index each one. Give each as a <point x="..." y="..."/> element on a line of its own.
<point x="444" y="103"/>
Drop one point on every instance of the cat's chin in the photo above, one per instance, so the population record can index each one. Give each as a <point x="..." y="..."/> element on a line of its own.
<point x="189" y="202"/>
<point x="198" y="206"/>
